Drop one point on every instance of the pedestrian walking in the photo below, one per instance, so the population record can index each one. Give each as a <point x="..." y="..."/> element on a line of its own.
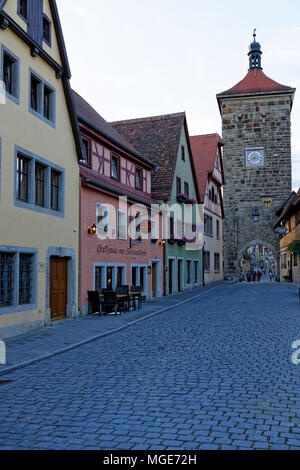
<point x="258" y="275"/>
<point x="249" y="276"/>
<point x="271" y="275"/>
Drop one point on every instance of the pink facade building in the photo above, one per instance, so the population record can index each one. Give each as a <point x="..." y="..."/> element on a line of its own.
<point x="115" y="195"/>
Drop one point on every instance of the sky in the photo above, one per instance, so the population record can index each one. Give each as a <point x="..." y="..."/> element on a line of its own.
<point x="137" y="58"/>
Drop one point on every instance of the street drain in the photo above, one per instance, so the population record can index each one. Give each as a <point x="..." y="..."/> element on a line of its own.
<point x="5" y="382"/>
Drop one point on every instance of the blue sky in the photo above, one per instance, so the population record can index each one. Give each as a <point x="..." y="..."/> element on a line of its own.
<point x="139" y="58"/>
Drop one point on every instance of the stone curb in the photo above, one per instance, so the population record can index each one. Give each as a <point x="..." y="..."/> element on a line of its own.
<point x="22" y="365"/>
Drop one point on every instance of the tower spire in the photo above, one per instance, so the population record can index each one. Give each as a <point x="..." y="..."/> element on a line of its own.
<point x="255" y="54"/>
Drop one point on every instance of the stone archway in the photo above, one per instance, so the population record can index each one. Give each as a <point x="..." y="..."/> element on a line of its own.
<point x="254" y="243"/>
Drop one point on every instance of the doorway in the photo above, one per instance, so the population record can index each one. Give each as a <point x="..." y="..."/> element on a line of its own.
<point x="171" y="264"/>
<point x="154" y="280"/>
<point x="58" y="287"/>
<point x="180" y="264"/>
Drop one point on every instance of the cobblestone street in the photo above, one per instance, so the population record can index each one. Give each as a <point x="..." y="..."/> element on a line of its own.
<point x="215" y="373"/>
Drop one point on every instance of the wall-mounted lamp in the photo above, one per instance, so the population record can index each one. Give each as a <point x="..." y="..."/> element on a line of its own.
<point x="255" y="215"/>
<point x="92" y="230"/>
<point x="149" y="269"/>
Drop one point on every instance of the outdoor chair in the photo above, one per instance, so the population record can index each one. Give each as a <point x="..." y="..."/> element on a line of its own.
<point x="136" y="295"/>
<point x="122" y="290"/>
<point x="94" y="303"/>
<point x="111" y="304"/>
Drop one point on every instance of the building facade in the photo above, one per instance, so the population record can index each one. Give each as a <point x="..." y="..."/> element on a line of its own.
<point x="165" y="141"/>
<point x="256" y="123"/>
<point x="120" y="242"/>
<point x="39" y="176"/>
<point x="208" y="161"/>
<point x="288" y="226"/>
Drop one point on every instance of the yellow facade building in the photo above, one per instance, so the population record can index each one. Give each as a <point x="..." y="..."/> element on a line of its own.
<point x="288" y="226"/>
<point x="39" y="175"/>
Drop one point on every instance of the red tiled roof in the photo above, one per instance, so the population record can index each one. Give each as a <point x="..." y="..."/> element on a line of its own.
<point x="88" y="114"/>
<point x="256" y="82"/>
<point x="204" y="149"/>
<point x="157" y="138"/>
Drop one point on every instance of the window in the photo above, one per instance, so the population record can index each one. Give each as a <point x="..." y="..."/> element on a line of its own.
<point x="182" y="153"/>
<point x="23" y="9"/>
<point x="178" y="185"/>
<point x="46" y="30"/>
<point x="186" y="189"/>
<point x="138" y="232"/>
<point x="25" y="278"/>
<point x="39" y="184"/>
<point x="218" y="229"/>
<point x="47" y="103"/>
<point x="120" y="272"/>
<point x="115" y="167"/>
<point x="55" y="177"/>
<point x="122" y="225"/>
<point x="85" y="149"/>
<point x="217" y="262"/>
<point x="10" y="75"/>
<point x="295" y="259"/>
<point x="172" y="228"/>
<point x="6" y="279"/>
<point x="17" y="280"/>
<point x="208" y="225"/>
<point x="42" y="99"/>
<point x="213" y="194"/>
<point x="98" y="278"/>
<point x="22" y="178"/>
<point x="154" y="231"/>
<point x="134" y="276"/>
<point x="102" y="221"/>
<point x="138" y="178"/>
<point x="35" y="87"/>
<point x="207" y="261"/>
<point x="109" y="277"/>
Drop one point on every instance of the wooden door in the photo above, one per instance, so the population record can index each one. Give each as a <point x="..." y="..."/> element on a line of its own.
<point x="58" y="287"/>
<point x="154" y="279"/>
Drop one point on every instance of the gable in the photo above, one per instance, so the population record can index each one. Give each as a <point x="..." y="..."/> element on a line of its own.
<point x="185" y="168"/>
<point x="36" y="11"/>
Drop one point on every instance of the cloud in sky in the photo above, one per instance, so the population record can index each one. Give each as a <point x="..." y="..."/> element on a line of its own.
<point x="137" y="58"/>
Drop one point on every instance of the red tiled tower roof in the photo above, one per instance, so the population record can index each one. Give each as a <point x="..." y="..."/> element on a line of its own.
<point x="256" y="82"/>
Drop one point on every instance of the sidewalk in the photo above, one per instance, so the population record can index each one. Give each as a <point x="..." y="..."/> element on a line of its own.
<point x="64" y="335"/>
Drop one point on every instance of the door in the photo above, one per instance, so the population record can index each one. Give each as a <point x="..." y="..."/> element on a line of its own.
<point x="170" y="276"/>
<point x="154" y="279"/>
<point x="58" y="287"/>
<point x="179" y="275"/>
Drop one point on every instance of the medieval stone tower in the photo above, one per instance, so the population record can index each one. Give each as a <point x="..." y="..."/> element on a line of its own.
<point x="257" y="160"/>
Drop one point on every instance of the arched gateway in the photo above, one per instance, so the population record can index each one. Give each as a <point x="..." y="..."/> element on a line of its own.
<point x="257" y="160"/>
<point x="273" y="254"/>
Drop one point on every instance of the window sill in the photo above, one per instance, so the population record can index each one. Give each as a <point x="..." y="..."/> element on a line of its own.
<point x="35" y="208"/>
<point x="17" y="309"/>
<point x="42" y="118"/>
<point x="14" y="99"/>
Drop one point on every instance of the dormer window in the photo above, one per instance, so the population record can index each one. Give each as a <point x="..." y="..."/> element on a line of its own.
<point x="23" y="9"/>
<point x="46" y="30"/>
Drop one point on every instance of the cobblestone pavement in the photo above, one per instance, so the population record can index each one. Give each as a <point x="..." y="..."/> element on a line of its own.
<point x="213" y="374"/>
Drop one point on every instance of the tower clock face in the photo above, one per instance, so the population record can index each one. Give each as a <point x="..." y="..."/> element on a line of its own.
<point x="254" y="157"/>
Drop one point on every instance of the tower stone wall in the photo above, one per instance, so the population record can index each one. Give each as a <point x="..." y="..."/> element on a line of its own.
<point x="254" y="121"/>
